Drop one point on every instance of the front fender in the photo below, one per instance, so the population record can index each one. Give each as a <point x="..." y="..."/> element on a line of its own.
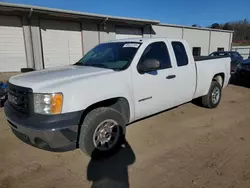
<point x="82" y="94"/>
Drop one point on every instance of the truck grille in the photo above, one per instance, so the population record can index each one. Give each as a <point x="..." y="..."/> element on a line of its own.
<point x="19" y="97"/>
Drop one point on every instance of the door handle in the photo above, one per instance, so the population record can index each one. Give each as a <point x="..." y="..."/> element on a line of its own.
<point x="170" y="76"/>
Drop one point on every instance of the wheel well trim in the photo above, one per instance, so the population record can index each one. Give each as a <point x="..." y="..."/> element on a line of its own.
<point x="220" y="78"/>
<point x="121" y="104"/>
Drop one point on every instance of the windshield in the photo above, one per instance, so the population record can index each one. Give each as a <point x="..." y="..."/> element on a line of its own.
<point x="117" y="55"/>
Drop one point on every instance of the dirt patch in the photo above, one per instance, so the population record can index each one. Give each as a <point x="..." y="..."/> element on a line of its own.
<point x="188" y="146"/>
<point x="5" y="76"/>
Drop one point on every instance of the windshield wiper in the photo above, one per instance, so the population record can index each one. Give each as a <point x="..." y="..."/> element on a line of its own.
<point x="92" y="65"/>
<point x="96" y="65"/>
<point x="99" y="65"/>
<point x="78" y="63"/>
<point x="104" y="66"/>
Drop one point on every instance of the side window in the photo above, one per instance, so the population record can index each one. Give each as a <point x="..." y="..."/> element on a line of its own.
<point x="220" y="49"/>
<point x="158" y="51"/>
<point x="196" y="51"/>
<point x="235" y="54"/>
<point x="180" y="54"/>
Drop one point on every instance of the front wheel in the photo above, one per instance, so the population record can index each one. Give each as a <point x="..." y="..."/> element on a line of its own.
<point x="102" y="132"/>
<point x="212" y="99"/>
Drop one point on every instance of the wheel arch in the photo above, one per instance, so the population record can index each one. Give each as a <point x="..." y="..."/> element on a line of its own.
<point x="120" y="104"/>
<point x="220" y="77"/>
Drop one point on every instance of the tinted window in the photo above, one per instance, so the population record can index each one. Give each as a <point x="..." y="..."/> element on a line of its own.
<point x="247" y="61"/>
<point x="158" y="51"/>
<point x="180" y="53"/>
<point x="219" y="54"/>
<point x="220" y="49"/>
<point x="223" y="54"/>
<point x="235" y="54"/>
<point x="196" y="51"/>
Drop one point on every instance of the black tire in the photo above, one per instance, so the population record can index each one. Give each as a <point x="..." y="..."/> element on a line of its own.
<point x="207" y="99"/>
<point x="90" y="124"/>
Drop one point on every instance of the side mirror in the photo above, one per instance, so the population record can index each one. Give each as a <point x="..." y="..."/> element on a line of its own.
<point x="148" y="65"/>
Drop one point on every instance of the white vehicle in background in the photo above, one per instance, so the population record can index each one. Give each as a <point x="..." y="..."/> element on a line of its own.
<point x="88" y="105"/>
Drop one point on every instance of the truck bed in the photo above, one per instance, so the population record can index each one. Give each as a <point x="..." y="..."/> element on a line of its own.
<point x="207" y="67"/>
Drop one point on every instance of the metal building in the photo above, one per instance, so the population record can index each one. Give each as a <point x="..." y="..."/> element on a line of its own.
<point x="39" y="37"/>
<point x="244" y="51"/>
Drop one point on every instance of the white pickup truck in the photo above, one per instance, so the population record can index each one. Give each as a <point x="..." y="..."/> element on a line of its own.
<point x="88" y="104"/>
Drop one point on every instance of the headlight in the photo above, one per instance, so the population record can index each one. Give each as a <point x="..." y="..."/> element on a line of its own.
<point x="48" y="103"/>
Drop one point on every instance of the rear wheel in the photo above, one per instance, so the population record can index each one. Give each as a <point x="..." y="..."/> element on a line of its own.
<point x="102" y="132"/>
<point x="212" y="99"/>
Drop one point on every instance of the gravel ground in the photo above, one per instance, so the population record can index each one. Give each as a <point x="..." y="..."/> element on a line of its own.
<point x="188" y="146"/>
<point x="5" y="76"/>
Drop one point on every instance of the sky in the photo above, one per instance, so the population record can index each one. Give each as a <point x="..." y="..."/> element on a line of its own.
<point x="181" y="12"/>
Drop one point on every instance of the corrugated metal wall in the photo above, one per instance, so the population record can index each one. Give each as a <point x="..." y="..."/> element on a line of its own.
<point x="77" y="38"/>
<point x="243" y="50"/>
<point x="90" y="36"/>
<point x="197" y="38"/>
<point x="12" y="48"/>
<point x="220" y="40"/>
<point x="61" y="42"/>
<point x="163" y="31"/>
<point x="207" y="40"/>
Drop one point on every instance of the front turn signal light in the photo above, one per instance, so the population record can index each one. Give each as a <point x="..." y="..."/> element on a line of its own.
<point x="56" y="103"/>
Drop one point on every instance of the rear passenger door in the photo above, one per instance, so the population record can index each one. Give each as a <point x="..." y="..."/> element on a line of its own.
<point x="185" y="72"/>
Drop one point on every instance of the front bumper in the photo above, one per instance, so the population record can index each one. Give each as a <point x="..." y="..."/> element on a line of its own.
<point x="49" y="132"/>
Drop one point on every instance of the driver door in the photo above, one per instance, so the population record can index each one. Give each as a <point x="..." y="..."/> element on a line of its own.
<point x="154" y="91"/>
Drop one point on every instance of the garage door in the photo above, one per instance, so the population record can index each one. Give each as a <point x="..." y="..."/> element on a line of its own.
<point x="123" y="33"/>
<point x="12" y="49"/>
<point x="61" y="42"/>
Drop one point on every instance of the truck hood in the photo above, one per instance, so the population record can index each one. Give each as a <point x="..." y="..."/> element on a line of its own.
<point x="48" y="77"/>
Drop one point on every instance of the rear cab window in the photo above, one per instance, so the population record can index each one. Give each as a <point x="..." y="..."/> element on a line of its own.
<point x="220" y="54"/>
<point x="235" y="54"/>
<point x="180" y="53"/>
